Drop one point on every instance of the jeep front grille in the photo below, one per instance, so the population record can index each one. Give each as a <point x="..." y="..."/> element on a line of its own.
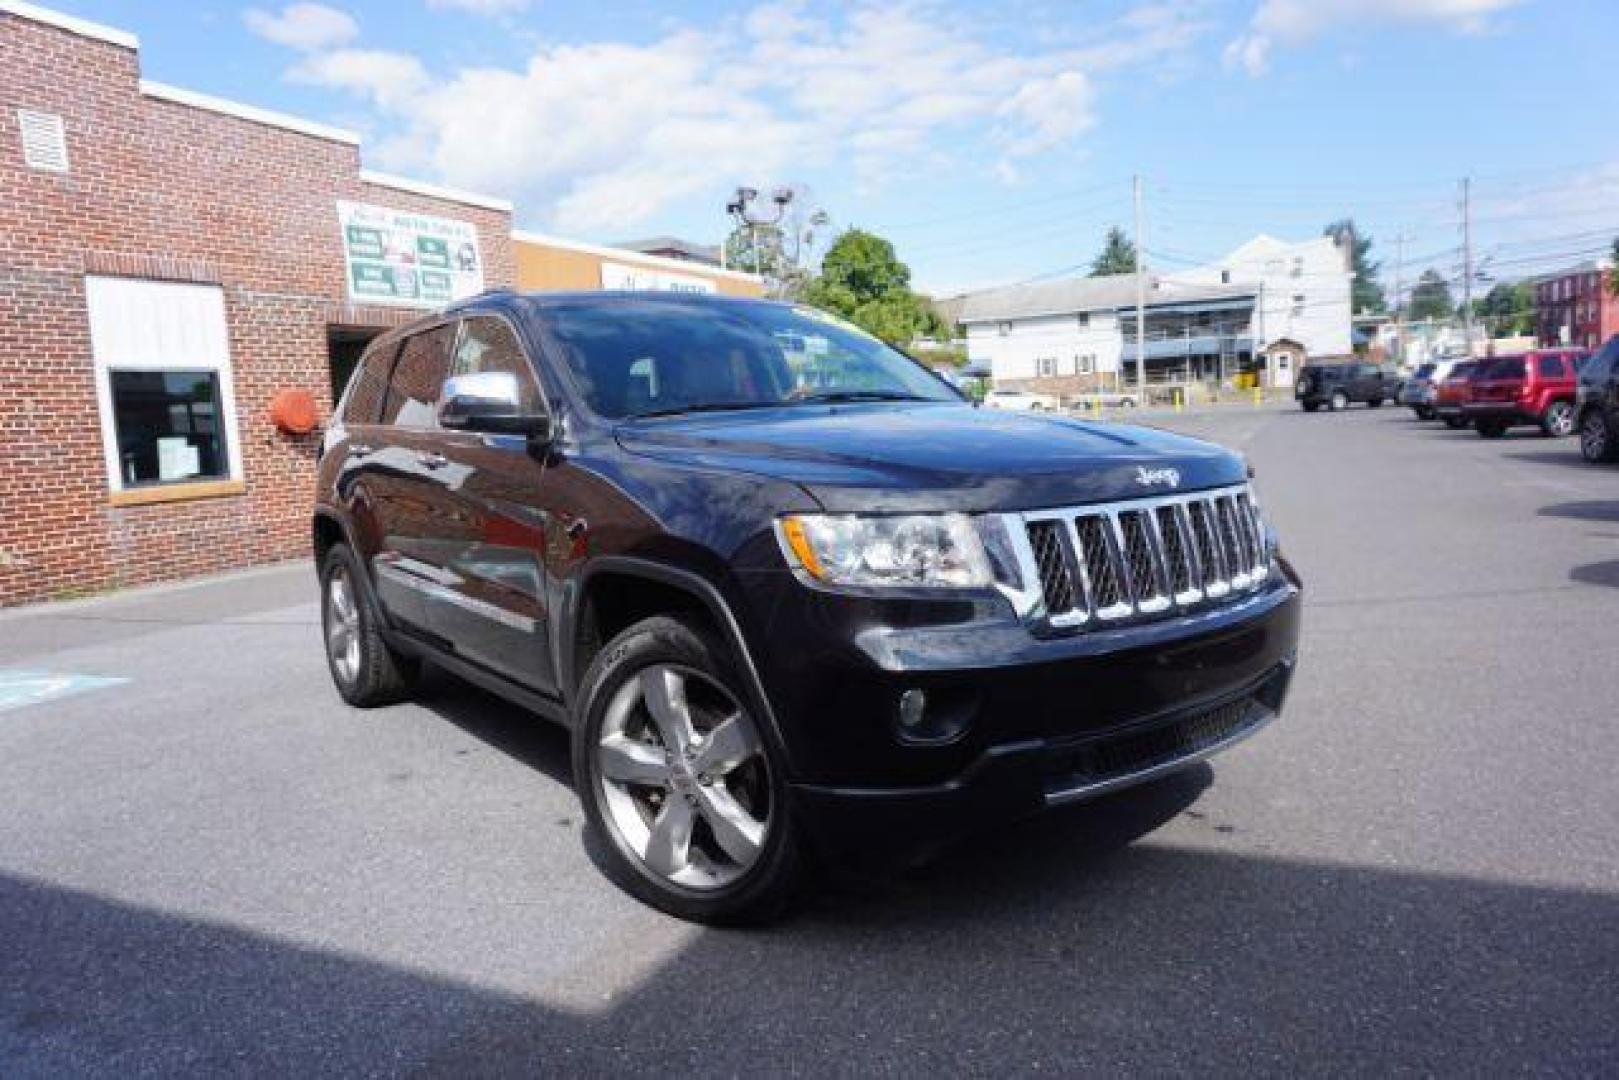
<point x="1139" y="559"/>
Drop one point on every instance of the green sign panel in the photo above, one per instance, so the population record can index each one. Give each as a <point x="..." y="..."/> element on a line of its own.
<point x="415" y="260"/>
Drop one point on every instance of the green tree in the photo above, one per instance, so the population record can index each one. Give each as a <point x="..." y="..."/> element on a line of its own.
<point x="863" y="280"/>
<point x="1430" y="298"/>
<point x="1508" y="309"/>
<point x="1118" y="255"/>
<point x="1366" y="292"/>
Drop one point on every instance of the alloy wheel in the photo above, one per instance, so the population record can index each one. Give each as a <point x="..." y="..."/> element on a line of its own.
<point x="1594" y="437"/>
<point x="1560" y="419"/>
<point x="342" y="626"/>
<point x="683" y="778"/>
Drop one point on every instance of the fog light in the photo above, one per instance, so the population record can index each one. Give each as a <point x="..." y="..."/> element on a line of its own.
<point x="913" y="707"/>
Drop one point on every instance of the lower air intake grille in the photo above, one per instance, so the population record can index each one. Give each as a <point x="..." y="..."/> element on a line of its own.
<point x="1111" y="758"/>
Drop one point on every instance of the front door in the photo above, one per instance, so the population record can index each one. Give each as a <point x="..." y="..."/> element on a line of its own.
<point x="491" y="541"/>
<point x="399" y="476"/>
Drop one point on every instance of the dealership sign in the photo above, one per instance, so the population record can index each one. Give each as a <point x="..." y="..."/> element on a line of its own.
<point x="397" y="257"/>
<point x="641" y="279"/>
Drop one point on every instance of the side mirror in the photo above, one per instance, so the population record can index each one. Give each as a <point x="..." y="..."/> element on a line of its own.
<point x="492" y="402"/>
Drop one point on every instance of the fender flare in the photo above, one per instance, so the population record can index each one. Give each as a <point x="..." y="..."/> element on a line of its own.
<point x="701" y="589"/>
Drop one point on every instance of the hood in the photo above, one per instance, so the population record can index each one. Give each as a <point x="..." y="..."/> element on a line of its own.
<point x="937" y="456"/>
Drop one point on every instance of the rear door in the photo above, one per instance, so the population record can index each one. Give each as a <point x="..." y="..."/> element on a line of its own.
<point x="489" y="547"/>
<point x="1367" y="383"/>
<point x="407" y="511"/>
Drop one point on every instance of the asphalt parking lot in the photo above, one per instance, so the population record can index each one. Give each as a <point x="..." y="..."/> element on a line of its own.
<point x="215" y="867"/>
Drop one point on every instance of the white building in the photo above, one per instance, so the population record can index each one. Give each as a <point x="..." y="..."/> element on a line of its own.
<point x="1206" y="324"/>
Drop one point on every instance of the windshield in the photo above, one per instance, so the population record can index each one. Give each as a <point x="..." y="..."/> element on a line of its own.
<point x="651" y="357"/>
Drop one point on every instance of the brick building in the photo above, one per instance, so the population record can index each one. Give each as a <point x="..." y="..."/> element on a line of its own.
<point x="169" y="264"/>
<point x="1576" y="307"/>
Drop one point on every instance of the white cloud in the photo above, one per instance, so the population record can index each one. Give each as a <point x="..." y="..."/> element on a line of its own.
<point x="606" y="135"/>
<point x="1288" y="22"/>
<point x="480" y="7"/>
<point x="306" y="27"/>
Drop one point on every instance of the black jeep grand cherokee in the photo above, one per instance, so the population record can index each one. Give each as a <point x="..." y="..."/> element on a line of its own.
<point x="786" y="588"/>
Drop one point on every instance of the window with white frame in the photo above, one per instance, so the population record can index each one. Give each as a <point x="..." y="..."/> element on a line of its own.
<point x="1005" y="328"/>
<point x="1084" y="363"/>
<point x="1046" y="366"/>
<point x="163" y="382"/>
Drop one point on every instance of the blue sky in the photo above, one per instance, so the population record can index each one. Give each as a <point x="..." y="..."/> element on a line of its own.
<point x="991" y="143"/>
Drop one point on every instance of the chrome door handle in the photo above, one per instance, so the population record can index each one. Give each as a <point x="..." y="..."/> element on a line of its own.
<point x="432" y="461"/>
<point x="361" y="449"/>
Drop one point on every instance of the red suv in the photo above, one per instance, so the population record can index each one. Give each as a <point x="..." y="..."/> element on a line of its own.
<point x="1451" y="392"/>
<point x="1534" y="388"/>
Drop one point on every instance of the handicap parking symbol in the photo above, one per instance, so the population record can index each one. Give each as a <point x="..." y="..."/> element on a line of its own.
<point x="22" y="688"/>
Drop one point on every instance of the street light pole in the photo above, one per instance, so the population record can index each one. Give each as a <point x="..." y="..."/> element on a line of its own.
<point x="1141" y="298"/>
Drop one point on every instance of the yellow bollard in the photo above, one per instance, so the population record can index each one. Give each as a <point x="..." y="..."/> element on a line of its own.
<point x="1259" y="397"/>
<point x="1180" y="401"/>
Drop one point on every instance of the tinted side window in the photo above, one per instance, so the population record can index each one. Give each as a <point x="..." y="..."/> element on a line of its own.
<point x="420" y="371"/>
<point x="488" y="344"/>
<point x="364" y="402"/>
<point x="1551" y="367"/>
<point x="1365" y="371"/>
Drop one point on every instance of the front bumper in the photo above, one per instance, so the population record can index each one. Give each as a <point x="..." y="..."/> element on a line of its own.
<point x="1050" y="721"/>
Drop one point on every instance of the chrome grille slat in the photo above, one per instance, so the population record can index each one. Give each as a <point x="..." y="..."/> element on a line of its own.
<point x="1143" y="558"/>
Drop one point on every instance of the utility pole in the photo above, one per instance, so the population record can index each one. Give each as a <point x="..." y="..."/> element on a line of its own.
<point x="1467" y="262"/>
<point x="1141" y="297"/>
<point x="1399" y="287"/>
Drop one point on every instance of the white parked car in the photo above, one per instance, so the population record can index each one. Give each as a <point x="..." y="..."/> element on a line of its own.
<point x="1107" y="399"/>
<point x="1020" y="401"/>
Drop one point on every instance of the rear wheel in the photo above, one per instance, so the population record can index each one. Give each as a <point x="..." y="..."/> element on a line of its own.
<point x="1491" y="429"/>
<point x="1558" y="420"/>
<point x="681" y="782"/>
<point x="366" y="669"/>
<point x="1597" y="442"/>
<point x="1311" y="406"/>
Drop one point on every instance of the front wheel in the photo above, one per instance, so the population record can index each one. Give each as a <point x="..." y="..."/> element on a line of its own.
<point x="1558" y="420"/>
<point x="682" y="784"/>
<point x="1597" y="443"/>
<point x="1340" y="401"/>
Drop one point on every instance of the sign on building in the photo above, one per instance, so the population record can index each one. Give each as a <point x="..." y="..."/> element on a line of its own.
<point x="413" y="260"/>
<point x="641" y="279"/>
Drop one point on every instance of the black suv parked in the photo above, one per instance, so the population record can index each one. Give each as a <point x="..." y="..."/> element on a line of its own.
<point x="1598" y="405"/>
<point x="1336" y="385"/>
<point x="788" y="591"/>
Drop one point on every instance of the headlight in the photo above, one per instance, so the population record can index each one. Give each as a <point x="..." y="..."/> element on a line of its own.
<point x="929" y="551"/>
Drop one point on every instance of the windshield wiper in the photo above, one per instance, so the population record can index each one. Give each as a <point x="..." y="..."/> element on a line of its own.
<point x="835" y="396"/>
<point x="705" y="406"/>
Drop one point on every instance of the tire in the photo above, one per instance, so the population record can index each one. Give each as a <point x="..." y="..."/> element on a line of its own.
<point x="1557" y="422"/>
<point x="1375" y="403"/>
<point x="717" y="846"/>
<point x="1311" y="406"/>
<point x="365" y="669"/>
<point x="1597" y="441"/>
<point x="1424" y="412"/>
<point x="1339" y="401"/>
<point x="1491" y="429"/>
<point x="1455" y="423"/>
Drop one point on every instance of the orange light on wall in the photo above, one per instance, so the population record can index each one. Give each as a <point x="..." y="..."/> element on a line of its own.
<point x="294" y="411"/>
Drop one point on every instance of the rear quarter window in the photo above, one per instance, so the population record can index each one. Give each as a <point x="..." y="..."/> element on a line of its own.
<point x="1551" y="367"/>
